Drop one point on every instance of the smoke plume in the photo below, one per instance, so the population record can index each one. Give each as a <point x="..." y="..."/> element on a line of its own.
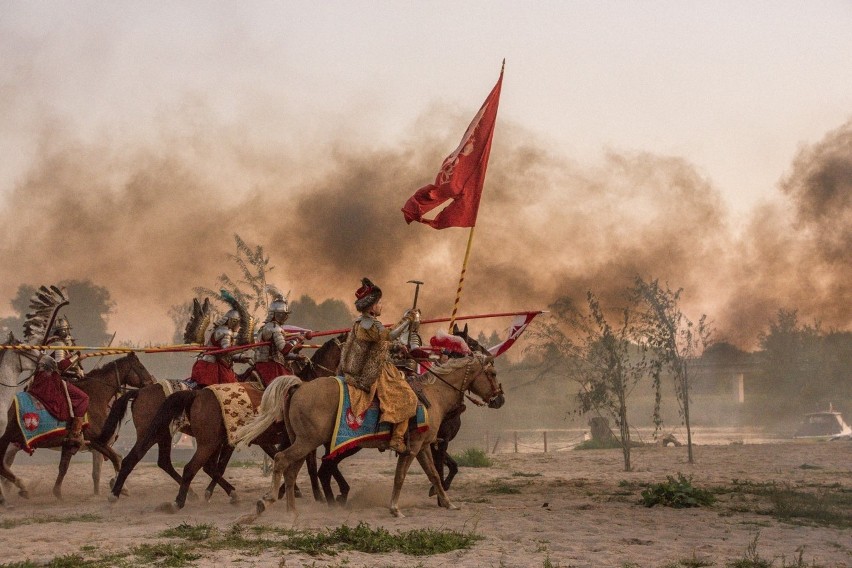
<point x="150" y="222"/>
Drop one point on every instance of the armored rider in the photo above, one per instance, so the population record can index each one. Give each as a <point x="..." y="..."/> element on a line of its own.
<point x="60" y="398"/>
<point x="365" y="363"/>
<point x="275" y="359"/>
<point x="61" y="338"/>
<point x="219" y="368"/>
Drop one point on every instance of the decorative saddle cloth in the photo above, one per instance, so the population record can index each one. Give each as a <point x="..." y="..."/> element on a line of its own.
<point x="351" y="430"/>
<point x="237" y="408"/>
<point x="36" y="423"/>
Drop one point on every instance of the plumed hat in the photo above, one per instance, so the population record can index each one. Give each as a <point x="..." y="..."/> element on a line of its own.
<point x="367" y="295"/>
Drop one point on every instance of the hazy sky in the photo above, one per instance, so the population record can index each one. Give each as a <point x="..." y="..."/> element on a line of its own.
<point x="197" y="120"/>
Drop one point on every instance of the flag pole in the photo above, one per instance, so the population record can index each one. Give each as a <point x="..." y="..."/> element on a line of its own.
<point x="461" y="280"/>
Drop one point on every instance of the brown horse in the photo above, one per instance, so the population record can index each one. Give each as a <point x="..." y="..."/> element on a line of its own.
<point x="102" y="385"/>
<point x="310" y="411"/>
<point x="152" y="418"/>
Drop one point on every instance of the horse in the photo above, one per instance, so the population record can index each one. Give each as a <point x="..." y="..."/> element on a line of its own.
<point x="310" y="412"/>
<point x="152" y="418"/>
<point x="450" y="426"/>
<point x="13" y="362"/>
<point x="102" y="385"/>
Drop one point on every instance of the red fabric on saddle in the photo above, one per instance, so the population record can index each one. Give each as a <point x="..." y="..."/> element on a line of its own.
<point x="47" y="387"/>
<point x="206" y="373"/>
<point x="269" y="370"/>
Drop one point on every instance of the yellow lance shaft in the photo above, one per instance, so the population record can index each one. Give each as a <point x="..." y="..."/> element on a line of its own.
<point x="461" y="280"/>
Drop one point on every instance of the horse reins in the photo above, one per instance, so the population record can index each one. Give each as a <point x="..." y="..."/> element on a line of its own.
<point x="466" y="386"/>
<point x="21" y="365"/>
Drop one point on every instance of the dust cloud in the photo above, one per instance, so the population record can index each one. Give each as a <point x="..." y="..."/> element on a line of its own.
<point x="151" y="221"/>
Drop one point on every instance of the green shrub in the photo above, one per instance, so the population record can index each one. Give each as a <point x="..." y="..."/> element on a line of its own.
<point x="678" y="493"/>
<point x="473" y="457"/>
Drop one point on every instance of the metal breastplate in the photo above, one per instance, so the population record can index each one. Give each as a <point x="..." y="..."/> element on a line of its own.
<point x="221" y="338"/>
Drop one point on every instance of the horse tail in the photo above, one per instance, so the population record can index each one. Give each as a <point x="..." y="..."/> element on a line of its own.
<point x="271" y="409"/>
<point x="113" y="420"/>
<point x="174" y="405"/>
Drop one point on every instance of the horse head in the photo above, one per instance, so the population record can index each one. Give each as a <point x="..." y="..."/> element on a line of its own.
<point x="129" y="371"/>
<point x="484" y="382"/>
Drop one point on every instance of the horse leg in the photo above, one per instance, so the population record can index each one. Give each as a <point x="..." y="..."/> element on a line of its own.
<point x="132" y="459"/>
<point x="202" y="454"/>
<point x="215" y="468"/>
<point x="97" y="463"/>
<point x="64" y="461"/>
<point x="7" y="474"/>
<point x="424" y="456"/>
<point x="439" y="453"/>
<point x="453" y="467"/>
<point x="342" y="485"/>
<point x="284" y="459"/>
<point x="290" y="482"/>
<point x="324" y="475"/>
<point x="312" y="474"/>
<point x="402" y="465"/>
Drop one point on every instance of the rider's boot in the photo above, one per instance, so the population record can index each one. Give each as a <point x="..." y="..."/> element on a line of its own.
<point x="397" y="441"/>
<point x="75" y="433"/>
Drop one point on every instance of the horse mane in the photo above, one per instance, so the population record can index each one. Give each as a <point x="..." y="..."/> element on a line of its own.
<point x="451" y="365"/>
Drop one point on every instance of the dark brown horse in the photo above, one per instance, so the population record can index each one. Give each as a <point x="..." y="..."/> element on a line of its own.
<point x="155" y="413"/>
<point x="102" y="385"/>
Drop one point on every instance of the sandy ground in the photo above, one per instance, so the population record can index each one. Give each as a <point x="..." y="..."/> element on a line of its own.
<point x="573" y="508"/>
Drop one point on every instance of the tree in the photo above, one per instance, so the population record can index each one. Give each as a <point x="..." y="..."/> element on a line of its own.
<point x="601" y="356"/>
<point x="330" y="314"/>
<point x="250" y="289"/>
<point x="671" y="339"/>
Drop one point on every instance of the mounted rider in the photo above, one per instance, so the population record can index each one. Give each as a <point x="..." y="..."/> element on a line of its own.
<point x="228" y="331"/>
<point x="60" y="398"/>
<point x="276" y="359"/>
<point x="366" y="365"/>
<point x="60" y="337"/>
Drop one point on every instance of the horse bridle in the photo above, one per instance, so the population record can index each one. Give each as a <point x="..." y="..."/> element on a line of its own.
<point x="496" y="388"/>
<point x="21" y="354"/>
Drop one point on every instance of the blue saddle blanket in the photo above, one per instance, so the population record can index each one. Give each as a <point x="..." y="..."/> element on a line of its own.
<point x="36" y="423"/>
<point x="350" y="431"/>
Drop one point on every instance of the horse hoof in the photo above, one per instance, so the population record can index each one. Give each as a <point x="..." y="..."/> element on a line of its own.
<point x="260" y="506"/>
<point x="57" y="494"/>
<point x="124" y="491"/>
<point x="234" y="498"/>
<point x="24" y="493"/>
<point x="112" y="498"/>
<point x="452" y="507"/>
<point x="340" y="500"/>
<point x="397" y="513"/>
<point x="192" y="495"/>
<point x="207" y="496"/>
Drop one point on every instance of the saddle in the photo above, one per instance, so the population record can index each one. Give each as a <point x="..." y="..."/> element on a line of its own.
<point x="416" y="385"/>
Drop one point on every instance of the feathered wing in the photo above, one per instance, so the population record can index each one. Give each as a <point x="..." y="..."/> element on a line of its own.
<point x="246" y="333"/>
<point x="44" y="307"/>
<point x="199" y="320"/>
<point x="274" y="292"/>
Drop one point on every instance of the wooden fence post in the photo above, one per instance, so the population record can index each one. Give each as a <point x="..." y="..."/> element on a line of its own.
<point x="545" y="441"/>
<point x="516" y="441"/>
<point x="487" y="442"/>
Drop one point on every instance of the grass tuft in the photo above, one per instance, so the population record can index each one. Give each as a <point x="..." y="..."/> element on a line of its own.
<point x="678" y="493"/>
<point x="473" y="457"/>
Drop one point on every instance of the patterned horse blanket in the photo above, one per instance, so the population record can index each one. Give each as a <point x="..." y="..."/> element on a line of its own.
<point x="350" y="430"/>
<point x="237" y="408"/>
<point x="36" y="423"/>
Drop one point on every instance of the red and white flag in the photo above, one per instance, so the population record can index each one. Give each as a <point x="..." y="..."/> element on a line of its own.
<point x="462" y="174"/>
<point x="519" y="324"/>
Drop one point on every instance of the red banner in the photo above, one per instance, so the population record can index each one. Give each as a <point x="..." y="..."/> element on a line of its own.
<point x="462" y="174"/>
